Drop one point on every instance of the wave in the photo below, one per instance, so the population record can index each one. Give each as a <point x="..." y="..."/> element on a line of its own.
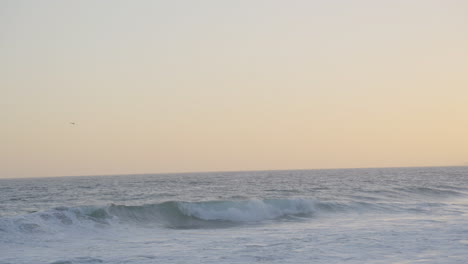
<point x="441" y="192"/>
<point x="79" y="260"/>
<point x="181" y="215"/>
<point x="167" y="214"/>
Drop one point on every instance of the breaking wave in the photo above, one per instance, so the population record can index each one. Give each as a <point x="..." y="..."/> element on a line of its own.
<point x="166" y="214"/>
<point x="187" y="215"/>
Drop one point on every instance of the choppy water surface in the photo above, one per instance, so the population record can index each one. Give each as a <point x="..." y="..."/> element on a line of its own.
<point x="398" y="215"/>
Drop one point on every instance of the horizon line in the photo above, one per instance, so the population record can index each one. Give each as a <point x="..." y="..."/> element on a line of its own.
<point x="230" y="171"/>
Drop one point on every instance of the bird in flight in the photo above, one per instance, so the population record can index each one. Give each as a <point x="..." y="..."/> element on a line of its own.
<point x="72" y="123"/>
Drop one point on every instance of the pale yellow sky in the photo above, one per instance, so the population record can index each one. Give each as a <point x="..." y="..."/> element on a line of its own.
<point x="180" y="86"/>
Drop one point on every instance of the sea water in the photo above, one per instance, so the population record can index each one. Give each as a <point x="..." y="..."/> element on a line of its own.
<point x="393" y="215"/>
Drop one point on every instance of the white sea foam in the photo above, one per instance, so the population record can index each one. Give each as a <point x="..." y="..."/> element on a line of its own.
<point x="246" y="211"/>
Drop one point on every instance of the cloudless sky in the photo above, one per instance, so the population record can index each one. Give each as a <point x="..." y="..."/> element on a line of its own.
<point x="180" y="86"/>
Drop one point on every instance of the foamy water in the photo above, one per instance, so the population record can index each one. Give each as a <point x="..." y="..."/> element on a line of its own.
<point x="401" y="215"/>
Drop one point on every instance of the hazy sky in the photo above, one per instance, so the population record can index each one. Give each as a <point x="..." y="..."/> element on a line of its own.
<point x="174" y="86"/>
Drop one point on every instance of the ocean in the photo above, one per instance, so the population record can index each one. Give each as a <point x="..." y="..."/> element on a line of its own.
<point x="387" y="215"/>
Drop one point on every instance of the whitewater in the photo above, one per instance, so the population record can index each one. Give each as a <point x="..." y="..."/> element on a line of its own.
<point x="379" y="215"/>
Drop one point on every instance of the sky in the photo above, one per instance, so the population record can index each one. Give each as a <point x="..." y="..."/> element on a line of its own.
<point x="211" y="85"/>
